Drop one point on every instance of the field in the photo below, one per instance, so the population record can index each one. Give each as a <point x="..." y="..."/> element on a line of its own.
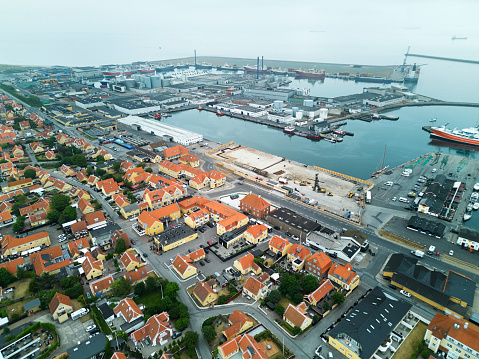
<point x="17" y="308"/>
<point x="409" y="346"/>
<point x="21" y="288"/>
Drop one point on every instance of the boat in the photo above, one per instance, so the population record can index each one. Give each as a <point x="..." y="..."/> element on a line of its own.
<point x="200" y="108"/>
<point x="204" y="65"/>
<point x="254" y="69"/>
<point x="433" y="120"/>
<point x="467" y="215"/>
<point x="279" y="71"/>
<point x="119" y="71"/>
<point x="314" y="73"/>
<point x="227" y="67"/>
<point x="469" y="207"/>
<point x="339" y="132"/>
<point x="468" y="136"/>
<point x="382" y="80"/>
<point x="165" y="68"/>
<point x="376" y="116"/>
<point x="384" y="168"/>
<point x="219" y="113"/>
<point x="458" y="38"/>
<point x="476" y="187"/>
<point x="182" y="65"/>
<point x="146" y="70"/>
<point x="332" y="140"/>
<point x="289" y="130"/>
<point x="475" y="207"/>
<point x="474" y="196"/>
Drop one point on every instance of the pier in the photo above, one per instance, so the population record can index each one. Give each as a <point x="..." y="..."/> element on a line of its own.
<point x="444" y="58"/>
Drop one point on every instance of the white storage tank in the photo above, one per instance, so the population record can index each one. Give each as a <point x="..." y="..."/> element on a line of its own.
<point x="278" y="104"/>
<point x="308" y="103"/>
<point x="299" y="115"/>
<point x="155" y="81"/>
<point x="323" y="113"/>
<point x="295" y="109"/>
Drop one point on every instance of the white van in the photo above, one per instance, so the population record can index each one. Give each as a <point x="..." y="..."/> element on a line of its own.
<point x="402" y="199"/>
<point x="434" y="170"/>
<point x="389" y="183"/>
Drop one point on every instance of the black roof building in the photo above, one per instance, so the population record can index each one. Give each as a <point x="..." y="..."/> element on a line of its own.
<point x="106" y="311"/>
<point x="91" y="348"/>
<point x="433" y="228"/>
<point x="230" y="236"/>
<point x="370" y="322"/>
<point x="172" y="235"/>
<point x="292" y="222"/>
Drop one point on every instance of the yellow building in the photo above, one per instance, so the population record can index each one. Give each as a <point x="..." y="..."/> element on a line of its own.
<point x="204" y="294"/>
<point x="190" y="160"/>
<point x="91" y="267"/>
<point x="169" y="168"/>
<point x="199" y="181"/>
<point x="247" y="265"/>
<point x="60" y="306"/>
<point x="198" y="218"/>
<point x="175" y="237"/>
<point x="256" y="233"/>
<point x="297" y="256"/>
<point x="216" y="179"/>
<point x="130" y="211"/>
<point x="297" y="316"/>
<point x="183" y="267"/>
<point x="230" y="223"/>
<point x="14" y="185"/>
<point x="344" y="276"/>
<point x="238" y="323"/>
<point x="150" y="224"/>
<point x="38" y="218"/>
<point x="12" y="245"/>
<point x="255" y="289"/>
<point x="130" y="261"/>
<point x="279" y="245"/>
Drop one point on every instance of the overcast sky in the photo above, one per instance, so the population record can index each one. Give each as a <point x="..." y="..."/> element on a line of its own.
<point x="100" y="32"/>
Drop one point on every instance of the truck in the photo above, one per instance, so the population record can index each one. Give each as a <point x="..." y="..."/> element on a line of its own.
<point x="368" y="196"/>
<point x="418" y="253"/>
<point x="283" y="180"/>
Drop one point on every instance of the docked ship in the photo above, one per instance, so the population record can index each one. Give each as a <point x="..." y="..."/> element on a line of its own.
<point x="318" y="74"/>
<point x="227" y="67"/>
<point x="165" y="68"/>
<point x="279" y="71"/>
<point x="468" y="136"/>
<point x="146" y="70"/>
<point x="119" y="71"/>
<point x="182" y="65"/>
<point x="254" y="69"/>
<point x="290" y="130"/>
<point x="382" y="80"/>
<point x="204" y="65"/>
<point x="412" y="76"/>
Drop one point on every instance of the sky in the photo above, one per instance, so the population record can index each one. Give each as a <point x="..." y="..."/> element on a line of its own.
<point x="53" y="32"/>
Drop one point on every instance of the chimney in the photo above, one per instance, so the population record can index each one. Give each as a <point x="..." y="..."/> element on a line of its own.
<point x="466" y="324"/>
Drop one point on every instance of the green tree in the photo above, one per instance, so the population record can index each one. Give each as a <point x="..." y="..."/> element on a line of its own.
<point x="16" y="209"/>
<point x="46" y="298"/>
<point x="116" y="166"/>
<point x="190" y="339"/>
<point x="45" y="281"/>
<point x="182" y="323"/>
<point x="120" y="246"/>
<point x="69" y="214"/>
<point x="69" y="281"/>
<point x="89" y="170"/>
<point x="151" y="284"/>
<point x="21" y="273"/>
<point x="326" y="306"/>
<point x="79" y="160"/>
<point x="140" y="289"/>
<point x="98" y="206"/>
<point x="338" y="298"/>
<point x="74" y="291"/>
<point x="53" y="216"/>
<point x="172" y="289"/>
<point x="99" y="172"/>
<point x="289" y="285"/>
<point x="149" y="170"/>
<point x="11" y="179"/>
<point x="296" y="330"/>
<point x="100" y="159"/>
<point x="121" y="287"/>
<point x="309" y="283"/>
<point x="59" y="202"/>
<point x="18" y="225"/>
<point x="274" y="296"/>
<point x="209" y="333"/>
<point x="30" y="173"/>
<point x="20" y="199"/>
<point x="279" y="309"/>
<point x="6" y="277"/>
<point x="51" y="141"/>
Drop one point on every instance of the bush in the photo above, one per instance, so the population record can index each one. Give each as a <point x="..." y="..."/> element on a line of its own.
<point x="9" y="338"/>
<point x="425" y="353"/>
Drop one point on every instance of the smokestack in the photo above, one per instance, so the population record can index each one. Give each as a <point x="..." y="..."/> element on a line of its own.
<point x="195" y="61"/>
<point x="262" y="65"/>
<point x="257" y="68"/>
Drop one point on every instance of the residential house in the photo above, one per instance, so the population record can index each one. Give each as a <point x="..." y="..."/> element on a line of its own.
<point x="120" y="200"/>
<point x="24" y="125"/>
<point x="255" y="205"/>
<point x="318" y="264"/>
<point x="197" y="255"/>
<point x="37" y="219"/>
<point x="126" y="165"/>
<point x="78" y="245"/>
<point x="169" y="168"/>
<point x="94" y="220"/>
<point x="101" y="152"/>
<point x="344" y="276"/>
<point x="18" y="152"/>
<point x="85" y="206"/>
<point x="198" y="218"/>
<point x="13" y="265"/>
<point x="43" y="205"/>
<point x="190" y="160"/>
<point x="297" y="255"/>
<point x="183" y="267"/>
<point x="92" y="268"/>
<point x="247" y="265"/>
<point x="136" y="175"/>
<point x="81" y="175"/>
<point x="37" y="147"/>
<point x="136" y="276"/>
<point x="118" y="355"/>
<point x="238" y="323"/>
<point x="204" y="294"/>
<point x="156" y="331"/>
<point x="92" y="180"/>
<point x="255" y="289"/>
<point x="101" y="286"/>
<point x="454" y="337"/>
<point x="120" y="234"/>
<point x="130" y="261"/>
<point x="216" y="179"/>
<point x="128" y="310"/>
<point x="175" y="236"/>
<point x="12" y="245"/>
<point x="256" y="233"/>
<point x="151" y="221"/>
<point x="315" y="297"/>
<point x="14" y="185"/>
<point x="67" y="171"/>
<point x="244" y="345"/>
<point x="279" y="246"/>
<point x="60" y="306"/>
<point x="132" y="210"/>
<point x="199" y="181"/>
<point x="297" y="316"/>
<point x="228" y="224"/>
<point x="172" y="153"/>
<point x="50" y="260"/>
<point x="109" y="187"/>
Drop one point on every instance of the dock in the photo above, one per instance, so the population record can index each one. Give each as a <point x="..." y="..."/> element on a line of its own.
<point x="444" y="58"/>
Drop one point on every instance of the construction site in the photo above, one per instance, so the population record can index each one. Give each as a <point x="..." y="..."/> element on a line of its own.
<point x="326" y="190"/>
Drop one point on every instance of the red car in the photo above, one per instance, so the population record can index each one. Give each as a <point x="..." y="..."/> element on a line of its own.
<point x="210" y="243"/>
<point x="133" y="242"/>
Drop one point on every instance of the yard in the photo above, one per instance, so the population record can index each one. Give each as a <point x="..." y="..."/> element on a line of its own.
<point x="17" y="308"/>
<point x="77" y="305"/>
<point x="21" y="288"/>
<point x="409" y="346"/>
<point x="150" y="299"/>
<point x="285" y="302"/>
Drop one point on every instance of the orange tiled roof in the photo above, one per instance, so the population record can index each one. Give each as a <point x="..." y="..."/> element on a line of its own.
<point x="296" y="314"/>
<point x="278" y="242"/>
<point x="136" y="275"/>
<point x="58" y="299"/>
<point x="324" y="288"/>
<point x="174" y="151"/>
<point x="254" y="286"/>
<point x="254" y="201"/>
<point x="299" y="251"/>
<point x="128" y="308"/>
<point x="196" y="254"/>
<point x="127" y="257"/>
<point x="101" y="284"/>
<point x="257" y="230"/>
<point x="202" y="290"/>
<point x="443" y="326"/>
<point x="182" y="263"/>
<point x="344" y="273"/>
<point x="92" y="218"/>
<point x="11" y="266"/>
<point x="9" y="241"/>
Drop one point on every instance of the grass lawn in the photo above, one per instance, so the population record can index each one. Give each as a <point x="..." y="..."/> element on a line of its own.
<point x="149" y="299"/>
<point x="21" y="287"/>
<point x="17" y="308"/>
<point x="218" y="329"/>
<point x="408" y="347"/>
<point x="285" y="302"/>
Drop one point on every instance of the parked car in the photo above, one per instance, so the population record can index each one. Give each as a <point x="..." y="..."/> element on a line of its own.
<point x="207" y="260"/>
<point x="371" y="252"/>
<point x="202" y="263"/>
<point x="133" y="241"/>
<point x="451" y="252"/>
<point x="91" y="328"/>
<point x="210" y="243"/>
<point x="406" y="294"/>
<point x="318" y="350"/>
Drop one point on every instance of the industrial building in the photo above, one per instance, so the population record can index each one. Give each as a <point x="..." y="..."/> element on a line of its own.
<point x="183" y="137"/>
<point x="88" y="71"/>
<point x="292" y="222"/>
<point x="380" y="101"/>
<point x="136" y="107"/>
<point x="86" y="103"/>
<point x="270" y="94"/>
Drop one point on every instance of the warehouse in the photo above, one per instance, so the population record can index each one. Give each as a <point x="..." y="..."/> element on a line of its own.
<point x="86" y="103"/>
<point x="292" y="222"/>
<point x="277" y="94"/>
<point x="79" y="72"/>
<point x="136" y="107"/>
<point x="183" y="137"/>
